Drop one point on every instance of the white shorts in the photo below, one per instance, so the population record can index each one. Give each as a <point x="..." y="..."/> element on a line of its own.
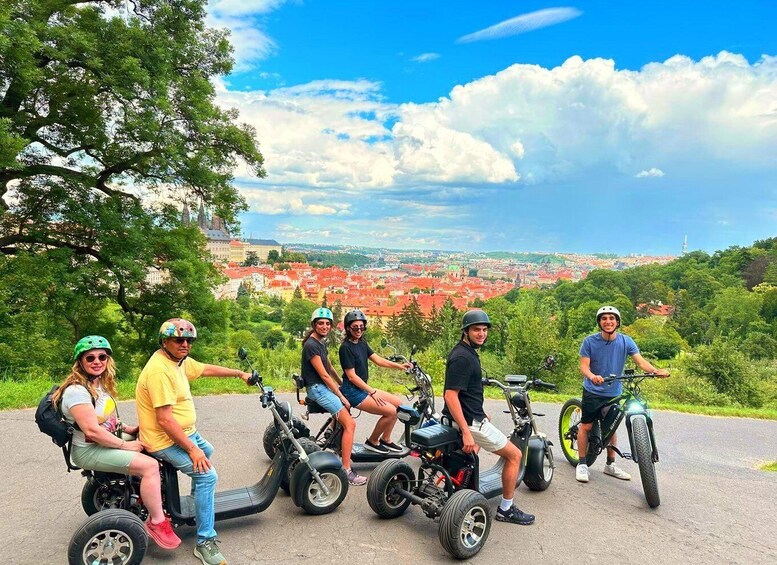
<point x="486" y="435"/>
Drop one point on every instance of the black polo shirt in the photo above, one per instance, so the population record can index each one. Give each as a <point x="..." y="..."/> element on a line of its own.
<point x="463" y="373"/>
<point x="310" y="349"/>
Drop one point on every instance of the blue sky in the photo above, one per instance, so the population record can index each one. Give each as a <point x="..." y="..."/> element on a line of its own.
<point x="591" y="127"/>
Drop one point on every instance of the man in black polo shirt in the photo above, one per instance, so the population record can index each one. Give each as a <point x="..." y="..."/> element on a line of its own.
<point x="464" y="405"/>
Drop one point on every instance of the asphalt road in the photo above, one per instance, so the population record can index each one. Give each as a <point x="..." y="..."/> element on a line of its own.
<point x="716" y="507"/>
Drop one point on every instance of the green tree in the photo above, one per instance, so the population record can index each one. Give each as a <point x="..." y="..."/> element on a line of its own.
<point x="296" y="315"/>
<point x="252" y="259"/>
<point x="273" y="257"/>
<point x="410" y="327"/>
<point x="728" y="370"/>
<point x="97" y="108"/>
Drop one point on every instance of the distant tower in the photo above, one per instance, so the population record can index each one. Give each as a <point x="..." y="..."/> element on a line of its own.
<point x="202" y="221"/>
<point x="685" y="245"/>
<point x="185" y="218"/>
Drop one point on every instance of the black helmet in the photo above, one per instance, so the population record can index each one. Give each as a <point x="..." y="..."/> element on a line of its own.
<point x="473" y="317"/>
<point x="353" y="316"/>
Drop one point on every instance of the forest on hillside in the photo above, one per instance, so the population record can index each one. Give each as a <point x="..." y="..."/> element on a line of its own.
<point x="719" y="339"/>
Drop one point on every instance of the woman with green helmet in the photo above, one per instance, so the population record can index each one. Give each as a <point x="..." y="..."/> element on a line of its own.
<point x="100" y="441"/>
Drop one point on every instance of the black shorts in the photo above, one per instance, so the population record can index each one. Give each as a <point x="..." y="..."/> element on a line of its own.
<point x="593" y="404"/>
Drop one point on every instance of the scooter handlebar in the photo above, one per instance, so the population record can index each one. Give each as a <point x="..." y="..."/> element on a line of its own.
<point x="254" y="379"/>
<point x="538" y="383"/>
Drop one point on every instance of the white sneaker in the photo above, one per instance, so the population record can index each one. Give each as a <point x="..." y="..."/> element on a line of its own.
<point x="614" y="471"/>
<point x="581" y="473"/>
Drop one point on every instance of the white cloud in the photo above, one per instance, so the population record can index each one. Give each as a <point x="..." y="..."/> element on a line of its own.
<point x="524" y="125"/>
<point x="522" y="24"/>
<point x="652" y="172"/>
<point x="294" y="202"/>
<point x="425" y="57"/>
<point x="243" y="18"/>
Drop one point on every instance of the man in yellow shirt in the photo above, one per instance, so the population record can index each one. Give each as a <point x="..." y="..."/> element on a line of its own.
<point x="167" y="419"/>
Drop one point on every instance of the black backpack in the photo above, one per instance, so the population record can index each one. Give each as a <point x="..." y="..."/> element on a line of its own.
<point x="51" y="422"/>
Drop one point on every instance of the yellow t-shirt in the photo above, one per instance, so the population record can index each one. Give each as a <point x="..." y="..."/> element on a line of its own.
<point x="163" y="383"/>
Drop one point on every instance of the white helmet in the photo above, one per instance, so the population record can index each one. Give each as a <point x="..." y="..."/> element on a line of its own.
<point x="608" y="310"/>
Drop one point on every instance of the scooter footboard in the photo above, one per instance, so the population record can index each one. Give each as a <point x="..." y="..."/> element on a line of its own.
<point x="321" y="461"/>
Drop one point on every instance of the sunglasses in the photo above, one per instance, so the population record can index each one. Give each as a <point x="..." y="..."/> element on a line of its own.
<point x="358" y="328"/>
<point x="92" y="358"/>
<point x="182" y="340"/>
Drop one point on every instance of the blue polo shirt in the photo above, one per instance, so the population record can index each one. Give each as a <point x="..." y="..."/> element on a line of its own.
<point x="607" y="358"/>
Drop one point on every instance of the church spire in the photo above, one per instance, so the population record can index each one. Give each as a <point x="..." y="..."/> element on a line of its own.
<point x="202" y="220"/>
<point x="185" y="217"/>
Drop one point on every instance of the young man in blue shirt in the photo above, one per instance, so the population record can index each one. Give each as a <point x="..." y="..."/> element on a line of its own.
<point x="603" y="354"/>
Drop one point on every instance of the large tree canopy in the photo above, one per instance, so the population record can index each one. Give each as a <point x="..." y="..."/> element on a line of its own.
<point x="107" y="119"/>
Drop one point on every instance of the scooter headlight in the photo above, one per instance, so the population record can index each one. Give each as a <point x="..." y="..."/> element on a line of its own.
<point x="284" y="411"/>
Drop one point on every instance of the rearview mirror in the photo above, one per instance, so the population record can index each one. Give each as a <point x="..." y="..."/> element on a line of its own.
<point x="242" y="354"/>
<point x="550" y="362"/>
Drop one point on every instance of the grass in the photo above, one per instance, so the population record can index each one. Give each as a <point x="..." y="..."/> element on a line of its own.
<point x="769" y="467"/>
<point x="27" y="394"/>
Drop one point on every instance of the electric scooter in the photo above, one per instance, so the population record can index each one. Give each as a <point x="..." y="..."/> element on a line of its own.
<point x="114" y="532"/>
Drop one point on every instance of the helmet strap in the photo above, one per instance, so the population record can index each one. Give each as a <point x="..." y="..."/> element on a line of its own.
<point x="171" y="356"/>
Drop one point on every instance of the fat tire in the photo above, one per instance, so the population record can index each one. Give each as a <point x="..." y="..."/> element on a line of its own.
<point x="337" y="479"/>
<point x="309" y="446"/>
<point x="268" y="440"/>
<point x="121" y="526"/>
<point x="647" y="468"/>
<point x="383" y="478"/>
<point x="90" y="494"/>
<point x="459" y="506"/>
<point x="539" y="481"/>
<point x="568" y="447"/>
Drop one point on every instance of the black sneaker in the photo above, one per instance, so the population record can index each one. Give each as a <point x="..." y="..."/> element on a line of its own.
<point x="514" y="516"/>
<point x="391" y="446"/>
<point x="376" y="448"/>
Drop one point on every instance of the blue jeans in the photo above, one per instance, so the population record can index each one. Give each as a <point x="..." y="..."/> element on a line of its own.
<point x="203" y="484"/>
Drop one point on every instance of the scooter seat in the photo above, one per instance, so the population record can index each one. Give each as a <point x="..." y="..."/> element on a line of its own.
<point x="436" y="436"/>
<point x="314" y="407"/>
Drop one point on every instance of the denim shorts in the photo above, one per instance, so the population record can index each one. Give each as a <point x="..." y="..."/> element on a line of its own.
<point x="352" y="394"/>
<point x="328" y="400"/>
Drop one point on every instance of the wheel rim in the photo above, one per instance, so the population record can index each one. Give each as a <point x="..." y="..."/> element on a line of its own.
<point x="473" y="527"/>
<point x="571" y="418"/>
<point x="316" y="493"/>
<point x="109" y="547"/>
<point x="392" y="498"/>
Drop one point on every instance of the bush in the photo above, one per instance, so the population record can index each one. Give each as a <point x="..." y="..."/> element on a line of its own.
<point x="728" y="370"/>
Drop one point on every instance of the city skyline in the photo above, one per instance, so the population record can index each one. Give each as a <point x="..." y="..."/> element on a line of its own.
<point x="507" y="127"/>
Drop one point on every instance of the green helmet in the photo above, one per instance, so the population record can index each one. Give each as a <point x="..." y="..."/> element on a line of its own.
<point x="324" y="313"/>
<point x="473" y="317"/>
<point x="89" y="342"/>
<point x="177" y="327"/>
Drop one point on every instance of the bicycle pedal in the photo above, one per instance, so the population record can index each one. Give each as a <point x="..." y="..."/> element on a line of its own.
<point x="306" y="416"/>
<point x="626" y="455"/>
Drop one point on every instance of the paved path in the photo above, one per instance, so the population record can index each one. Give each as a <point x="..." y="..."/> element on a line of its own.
<point x="715" y="506"/>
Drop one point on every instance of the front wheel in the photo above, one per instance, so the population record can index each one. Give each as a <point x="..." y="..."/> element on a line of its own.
<point x="381" y="495"/>
<point x="465" y="523"/>
<point x="540" y="479"/>
<point x="568" y="423"/>
<point x="112" y="536"/>
<point x="647" y="468"/>
<point x="315" y="501"/>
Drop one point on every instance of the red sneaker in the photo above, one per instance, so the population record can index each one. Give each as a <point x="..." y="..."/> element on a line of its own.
<point x="163" y="534"/>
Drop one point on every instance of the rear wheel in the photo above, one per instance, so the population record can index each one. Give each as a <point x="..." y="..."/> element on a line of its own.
<point x="465" y="523"/>
<point x="647" y="468"/>
<point x="110" y="537"/>
<point x="381" y="495"/>
<point x="309" y="446"/>
<point x="315" y="501"/>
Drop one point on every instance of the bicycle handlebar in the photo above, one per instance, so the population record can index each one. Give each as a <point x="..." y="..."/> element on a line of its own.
<point x="534" y="383"/>
<point x="612" y="378"/>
